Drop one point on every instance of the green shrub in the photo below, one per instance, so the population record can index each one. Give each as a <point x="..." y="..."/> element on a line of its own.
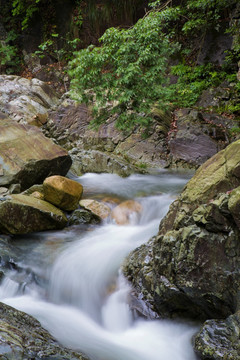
<point x="127" y="75"/>
<point x="9" y="58"/>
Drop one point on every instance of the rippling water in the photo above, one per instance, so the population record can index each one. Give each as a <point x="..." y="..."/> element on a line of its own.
<point x="81" y="296"/>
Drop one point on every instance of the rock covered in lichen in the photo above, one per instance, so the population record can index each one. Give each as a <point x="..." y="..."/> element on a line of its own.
<point x="192" y="267"/>
<point x="23" y="338"/>
<point x="219" y="339"/>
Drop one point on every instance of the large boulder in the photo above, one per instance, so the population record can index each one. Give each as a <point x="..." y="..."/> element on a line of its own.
<point x="62" y="192"/>
<point x="221" y="173"/>
<point x="23" y="338"/>
<point x="26" y="101"/>
<point x="27" y="156"/>
<point x="192" y="267"/>
<point x="21" y="214"/>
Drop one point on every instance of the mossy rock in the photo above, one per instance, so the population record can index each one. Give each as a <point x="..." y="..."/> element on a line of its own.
<point x="21" y="214"/>
<point x="191" y="269"/>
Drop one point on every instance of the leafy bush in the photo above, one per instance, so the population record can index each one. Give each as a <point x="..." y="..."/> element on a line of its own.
<point x="9" y="59"/>
<point x="26" y="9"/>
<point x="127" y="75"/>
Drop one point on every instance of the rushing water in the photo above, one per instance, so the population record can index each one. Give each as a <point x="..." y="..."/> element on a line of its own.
<point x="79" y="293"/>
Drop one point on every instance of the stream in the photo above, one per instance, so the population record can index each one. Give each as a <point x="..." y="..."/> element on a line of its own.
<point x="72" y="281"/>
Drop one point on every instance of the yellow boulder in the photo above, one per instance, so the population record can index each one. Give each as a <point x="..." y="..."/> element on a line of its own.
<point x="62" y="192"/>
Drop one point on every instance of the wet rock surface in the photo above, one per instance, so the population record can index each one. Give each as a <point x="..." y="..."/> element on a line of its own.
<point x="124" y="212"/>
<point x="96" y="207"/>
<point x="23" y="338"/>
<point x="219" y="339"/>
<point x="83" y="216"/>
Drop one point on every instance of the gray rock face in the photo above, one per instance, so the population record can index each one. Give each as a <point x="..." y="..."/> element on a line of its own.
<point x="23" y="100"/>
<point x="27" y="157"/>
<point x="23" y="338"/>
<point x="198" y="137"/>
<point x="214" y="48"/>
<point x="185" y="138"/>
<point x="113" y="150"/>
<point x="99" y="162"/>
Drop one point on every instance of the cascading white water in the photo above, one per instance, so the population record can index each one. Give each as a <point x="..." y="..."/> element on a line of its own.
<point x="86" y="305"/>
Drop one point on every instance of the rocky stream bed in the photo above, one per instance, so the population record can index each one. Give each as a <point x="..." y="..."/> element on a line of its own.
<point x="188" y="270"/>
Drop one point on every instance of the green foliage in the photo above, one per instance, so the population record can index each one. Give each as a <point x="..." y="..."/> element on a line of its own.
<point x="9" y="59"/>
<point x="127" y="74"/>
<point x="233" y="55"/>
<point x="77" y="14"/>
<point x="192" y="80"/>
<point x="141" y="165"/>
<point x="25" y="9"/>
<point x="50" y="48"/>
<point x="196" y="16"/>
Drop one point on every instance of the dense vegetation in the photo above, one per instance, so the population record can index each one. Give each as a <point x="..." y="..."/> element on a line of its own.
<point x="155" y="63"/>
<point x="129" y="74"/>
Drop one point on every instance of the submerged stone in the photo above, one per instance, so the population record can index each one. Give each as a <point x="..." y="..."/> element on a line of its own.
<point x="125" y="212"/>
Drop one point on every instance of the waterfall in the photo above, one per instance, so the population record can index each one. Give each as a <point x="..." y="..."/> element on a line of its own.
<point x="85" y="303"/>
